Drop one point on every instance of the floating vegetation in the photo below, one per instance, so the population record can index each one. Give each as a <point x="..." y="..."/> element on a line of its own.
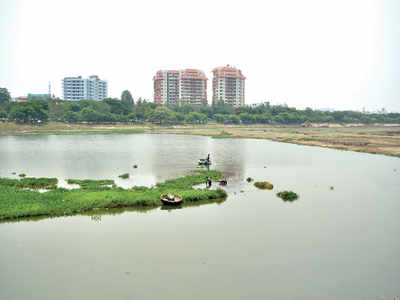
<point x="89" y="184"/>
<point x="331" y="188"/>
<point x="17" y="202"/>
<point x="264" y="185"/>
<point x="287" y="196"/>
<point x="124" y="176"/>
<point x="22" y="175"/>
<point x="135" y="166"/>
<point x="241" y="191"/>
<point x="30" y="183"/>
<point x="249" y="179"/>
<point x="13" y="173"/>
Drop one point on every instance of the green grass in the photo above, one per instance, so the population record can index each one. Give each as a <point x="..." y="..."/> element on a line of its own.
<point x="264" y="185"/>
<point x="17" y="202"/>
<point x="222" y="137"/>
<point x="124" y="176"/>
<point x="30" y="183"/>
<point x="288" y="196"/>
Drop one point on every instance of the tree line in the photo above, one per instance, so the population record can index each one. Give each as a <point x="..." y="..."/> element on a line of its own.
<point x="112" y="110"/>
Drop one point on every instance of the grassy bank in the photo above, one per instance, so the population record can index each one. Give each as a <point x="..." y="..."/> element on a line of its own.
<point x="18" y="202"/>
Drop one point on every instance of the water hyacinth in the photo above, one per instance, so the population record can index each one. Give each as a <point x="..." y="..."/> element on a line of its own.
<point x="264" y="185"/>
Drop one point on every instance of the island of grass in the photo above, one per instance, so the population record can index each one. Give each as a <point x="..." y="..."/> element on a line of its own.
<point x="287" y="196"/>
<point x="19" y="198"/>
<point x="124" y="176"/>
<point x="264" y="185"/>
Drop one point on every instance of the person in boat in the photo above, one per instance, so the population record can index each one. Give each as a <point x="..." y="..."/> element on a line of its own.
<point x="208" y="182"/>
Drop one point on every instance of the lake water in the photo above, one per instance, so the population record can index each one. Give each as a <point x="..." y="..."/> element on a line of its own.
<point x="329" y="244"/>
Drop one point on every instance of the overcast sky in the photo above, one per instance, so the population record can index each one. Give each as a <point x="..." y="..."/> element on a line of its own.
<point x="305" y="53"/>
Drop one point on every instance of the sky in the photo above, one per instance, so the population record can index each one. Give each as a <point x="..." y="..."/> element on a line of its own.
<point x="340" y="54"/>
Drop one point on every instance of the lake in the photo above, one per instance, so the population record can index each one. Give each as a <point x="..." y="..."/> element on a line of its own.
<point x="340" y="243"/>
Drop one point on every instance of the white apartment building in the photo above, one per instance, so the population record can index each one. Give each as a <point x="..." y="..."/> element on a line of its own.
<point x="78" y="88"/>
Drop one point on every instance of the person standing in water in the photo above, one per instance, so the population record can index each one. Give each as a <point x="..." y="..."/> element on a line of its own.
<point x="208" y="182"/>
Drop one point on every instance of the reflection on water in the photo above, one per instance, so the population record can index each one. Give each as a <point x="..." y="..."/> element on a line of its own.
<point x="333" y="244"/>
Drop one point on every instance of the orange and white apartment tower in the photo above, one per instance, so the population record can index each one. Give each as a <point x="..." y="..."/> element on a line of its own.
<point x="173" y="87"/>
<point x="228" y="86"/>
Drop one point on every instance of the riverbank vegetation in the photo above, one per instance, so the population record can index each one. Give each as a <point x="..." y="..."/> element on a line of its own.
<point x="126" y="110"/>
<point x="19" y="199"/>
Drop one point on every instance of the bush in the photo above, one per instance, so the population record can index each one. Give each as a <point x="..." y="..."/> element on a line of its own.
<point x="249" y="179"/>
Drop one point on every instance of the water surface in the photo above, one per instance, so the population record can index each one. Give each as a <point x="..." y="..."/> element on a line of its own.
<point x="330" y="244"/>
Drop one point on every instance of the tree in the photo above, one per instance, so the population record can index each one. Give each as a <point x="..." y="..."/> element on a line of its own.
<point x="4" y="97"/>
<point x="127" y="98"/>
<point x="220" y="118"/>
<point x="30" y="111"/>
<point x="161" y="114"/>
<point x="3" y="114"/>
<point x="71" y="117"/>
<point x="234" y="119"/>
<point x="90" y="115"/>
<point x="117" y="107"/>
<point x="179" y="117"/>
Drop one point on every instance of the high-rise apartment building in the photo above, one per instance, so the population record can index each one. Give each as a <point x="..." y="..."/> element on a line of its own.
<point x="166" y="87"/>
<point x="180" y="87"/>
<point x="228" y="86"/>
<point x="78" y="88"/>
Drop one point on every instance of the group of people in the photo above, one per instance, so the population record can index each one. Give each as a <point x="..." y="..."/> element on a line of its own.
<point x="223" y="181"/>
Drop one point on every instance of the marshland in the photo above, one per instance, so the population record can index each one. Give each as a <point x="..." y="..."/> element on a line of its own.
<point x="339" y="243"/>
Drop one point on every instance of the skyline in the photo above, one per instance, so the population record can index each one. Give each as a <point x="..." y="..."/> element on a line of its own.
<point x="319" y="54"/>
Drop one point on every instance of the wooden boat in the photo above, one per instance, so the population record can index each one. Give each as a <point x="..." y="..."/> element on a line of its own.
<point x="204" y="162"/>
<point x="169" y="199"/>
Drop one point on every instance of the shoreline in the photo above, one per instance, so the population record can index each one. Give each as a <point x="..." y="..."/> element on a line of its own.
<point x="374" y="139"/>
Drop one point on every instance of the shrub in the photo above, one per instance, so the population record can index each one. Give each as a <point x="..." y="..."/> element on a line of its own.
<point x="249" y="179"/>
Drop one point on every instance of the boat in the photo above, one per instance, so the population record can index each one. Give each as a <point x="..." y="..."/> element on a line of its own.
<point x="204" y="162"/>
<point x="169" y="199"/>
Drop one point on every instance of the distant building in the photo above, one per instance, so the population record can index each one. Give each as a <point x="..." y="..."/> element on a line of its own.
<point x="166" y="87"/>
<point x="39" y="96"/>
<point x="20" y="99"/>
<point x="228" y="86"/>
<point x="78" y="88"/>
<point x="180" y="87"/>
